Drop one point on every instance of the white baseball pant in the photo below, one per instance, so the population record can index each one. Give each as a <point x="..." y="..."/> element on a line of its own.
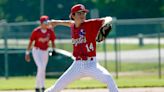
<point x="41" y="60"/>
<point x="81" y="69"/>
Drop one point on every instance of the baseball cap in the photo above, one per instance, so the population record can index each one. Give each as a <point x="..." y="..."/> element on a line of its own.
<point x="76" y="8"/>
<point x="44" y="19"/>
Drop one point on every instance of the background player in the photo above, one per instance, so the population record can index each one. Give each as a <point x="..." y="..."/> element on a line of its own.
<point x="84" y="34"/>
<point x="41" y="36"/>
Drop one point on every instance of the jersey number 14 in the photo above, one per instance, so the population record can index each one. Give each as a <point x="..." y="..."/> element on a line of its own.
<point x="89" y="47"/>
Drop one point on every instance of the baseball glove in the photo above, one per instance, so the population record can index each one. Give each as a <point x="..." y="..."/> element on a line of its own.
<point x="103" y="32"/>
<point x="52" y="53"/>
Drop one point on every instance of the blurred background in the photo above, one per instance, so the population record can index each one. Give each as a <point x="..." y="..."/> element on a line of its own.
<point x="134" y="48"/>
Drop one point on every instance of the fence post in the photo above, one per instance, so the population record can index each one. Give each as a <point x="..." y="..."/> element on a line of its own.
<point x="115" y="46"/>
<point x="6" y="51"/>
<point x="140" y="37"/>
<point x="105" y="52"/>
<point x="159" y="53"/>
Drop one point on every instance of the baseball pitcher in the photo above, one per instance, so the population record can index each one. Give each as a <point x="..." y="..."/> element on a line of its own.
<point x="84" y="35"/>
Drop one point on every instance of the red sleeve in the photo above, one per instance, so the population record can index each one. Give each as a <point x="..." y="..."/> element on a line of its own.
<point x="33" y="35"/>
<point x="97" y="23"/>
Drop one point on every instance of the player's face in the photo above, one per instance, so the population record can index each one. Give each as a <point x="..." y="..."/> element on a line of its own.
<point x="45" y="24"/>
<point x="80" y="16"/>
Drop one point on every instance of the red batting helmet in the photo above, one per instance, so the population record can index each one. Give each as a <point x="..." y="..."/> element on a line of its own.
<point x="76" y="8"/>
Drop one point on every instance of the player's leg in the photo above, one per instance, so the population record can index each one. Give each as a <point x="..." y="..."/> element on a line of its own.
<point x="37" y="55"/>
<point x="71" y="74"/>
<point x="101" y="74"/>
<point x="44" y="58"/>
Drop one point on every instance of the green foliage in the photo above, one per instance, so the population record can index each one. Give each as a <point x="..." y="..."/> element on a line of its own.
<point x="29" y="10"/>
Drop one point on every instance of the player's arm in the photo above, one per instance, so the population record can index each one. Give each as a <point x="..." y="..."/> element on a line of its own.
<point x="52" y="52"/>
<point x="53" y="44"/>
<point x="107" y="20"/>
<point x="52" y="38"/>
<point x="61" y="22"/>
<point x="105" y="29"/>
<point x="27" y="54"/>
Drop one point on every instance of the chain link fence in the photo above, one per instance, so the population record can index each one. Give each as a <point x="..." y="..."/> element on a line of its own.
<point x="135" y="46"/>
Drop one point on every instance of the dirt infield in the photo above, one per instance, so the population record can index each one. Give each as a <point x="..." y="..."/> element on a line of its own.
<point x="160" y="89"/>
<point x="121" y="90"/>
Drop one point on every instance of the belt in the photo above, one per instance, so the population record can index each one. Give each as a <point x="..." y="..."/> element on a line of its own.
<point x="84" y="58"/>
<point x="37" y="48"/>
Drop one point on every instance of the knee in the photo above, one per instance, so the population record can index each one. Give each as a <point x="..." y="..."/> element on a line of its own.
<point x="41" y="71"/>
<point x="107" y="79"/>
<point x="40" y="68"/>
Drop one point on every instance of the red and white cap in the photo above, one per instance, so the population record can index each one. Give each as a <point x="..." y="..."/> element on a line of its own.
<point x="76" y="8"/>
<point x="44" y="19"/>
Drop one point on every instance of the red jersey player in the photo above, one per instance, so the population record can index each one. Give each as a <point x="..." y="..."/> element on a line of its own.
<point x="84" y="34"/>
<point x="41" y="36"/>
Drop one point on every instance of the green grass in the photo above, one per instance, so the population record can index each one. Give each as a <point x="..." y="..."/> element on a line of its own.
<point x="24" y="83"/>
<point x="133" y="66"/>
<point x="130" y="75"/>
<point x="17" y="83"/>
<point x="110" y="47"/>
<point x="142" y="81"/>
<point x="125" y="47"/>
<point x="122" y="82"/>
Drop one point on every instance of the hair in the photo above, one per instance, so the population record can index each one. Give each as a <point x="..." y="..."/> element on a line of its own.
<point x="71" y="16"/>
